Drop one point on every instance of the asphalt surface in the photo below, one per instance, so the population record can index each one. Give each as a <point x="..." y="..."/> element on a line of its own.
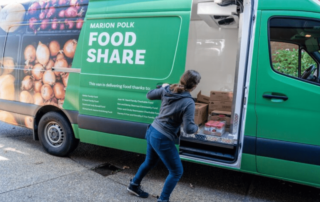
<point x="27" y="173"/>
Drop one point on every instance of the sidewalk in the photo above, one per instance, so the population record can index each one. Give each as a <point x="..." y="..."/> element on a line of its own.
<point x="27" y="173"/>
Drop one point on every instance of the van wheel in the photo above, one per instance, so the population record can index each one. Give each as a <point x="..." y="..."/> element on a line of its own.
<point x="56" y="135"/>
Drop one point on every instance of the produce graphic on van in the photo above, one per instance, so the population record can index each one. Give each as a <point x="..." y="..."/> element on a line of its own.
<point x="41" y="85"/>
<point x="38" y="37"/>
<point x="43" y="15"/>
<point x="56" y="15"/>
<point x="11" y="16"/>
<point x="28" y="122"/>
<point x="7" y="90"/>
<point x="8" y="118"/>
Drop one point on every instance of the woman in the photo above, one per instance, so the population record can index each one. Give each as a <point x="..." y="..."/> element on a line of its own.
<point x="177" y="107"/>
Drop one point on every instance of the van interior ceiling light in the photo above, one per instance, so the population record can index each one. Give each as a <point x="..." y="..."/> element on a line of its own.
<point x="308" y="35"/>
<point x="220" y="13"/>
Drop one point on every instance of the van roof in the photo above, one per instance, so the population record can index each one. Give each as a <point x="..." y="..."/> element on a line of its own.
<point x="125" y="6"/>
<point x="137" y="6"/>
<point x="289" y="5"/>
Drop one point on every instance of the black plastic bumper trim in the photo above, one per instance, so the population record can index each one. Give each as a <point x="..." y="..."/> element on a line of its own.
<point x="302" y="153"/>
<point x="72" y="115"/>
<point x="249" y="145"/>
<point x="289" y="151"/>
<point x="113" y="126"/>
<point x="31" y="109"/>
<point x="18" y="107"/>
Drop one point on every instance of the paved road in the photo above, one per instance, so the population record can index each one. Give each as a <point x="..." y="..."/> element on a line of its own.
<point x="27" y="173"/>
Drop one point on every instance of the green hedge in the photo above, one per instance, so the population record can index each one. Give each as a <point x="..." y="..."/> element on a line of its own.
<point x="286" y="61"/>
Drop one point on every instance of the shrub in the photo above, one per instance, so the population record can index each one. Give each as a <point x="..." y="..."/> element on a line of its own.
<point x="286" y="61"/>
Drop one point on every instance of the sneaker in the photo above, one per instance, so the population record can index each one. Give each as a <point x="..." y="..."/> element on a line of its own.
<point x="137" y="191"/>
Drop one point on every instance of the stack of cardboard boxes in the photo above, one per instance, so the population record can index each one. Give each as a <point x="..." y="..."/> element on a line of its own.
<point x="218" y="106"/>
<point x="213" y="115"/>
<point x="220" y="101"/>
<point x="221" y="116"/>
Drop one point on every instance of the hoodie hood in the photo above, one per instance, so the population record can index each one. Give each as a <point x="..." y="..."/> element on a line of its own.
<point x="171" y="97"/>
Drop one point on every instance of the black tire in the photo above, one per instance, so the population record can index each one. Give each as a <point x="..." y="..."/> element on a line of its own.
<point x="56" y="135"/>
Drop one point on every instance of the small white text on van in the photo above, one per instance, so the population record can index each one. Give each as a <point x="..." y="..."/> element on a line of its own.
<point x="124" y="56"/>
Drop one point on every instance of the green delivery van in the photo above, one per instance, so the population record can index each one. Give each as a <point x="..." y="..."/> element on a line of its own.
<point x="78" y="71"/>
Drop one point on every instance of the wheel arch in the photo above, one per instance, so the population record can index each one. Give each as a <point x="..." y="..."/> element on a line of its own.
<point x="44" y="110"/>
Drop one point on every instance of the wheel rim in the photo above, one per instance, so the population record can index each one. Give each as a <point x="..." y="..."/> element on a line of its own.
<point x="54" y="134"/>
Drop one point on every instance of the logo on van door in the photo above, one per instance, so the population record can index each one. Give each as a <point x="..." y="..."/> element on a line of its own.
<point x="131" y="47"/>
<point x="113" y="55"/>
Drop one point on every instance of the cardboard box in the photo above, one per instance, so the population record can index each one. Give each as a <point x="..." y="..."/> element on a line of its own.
<point x="220" y="108"/>
<point x="221" y="116"/>
<point x="203" y="98"/>
<point x="201" y="113"/>
<point x="220" y="105"/>
<point x="221" y="96"/>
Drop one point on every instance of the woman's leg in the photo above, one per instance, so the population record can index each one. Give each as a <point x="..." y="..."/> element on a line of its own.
<point x="150" y="162"/>
<point x="169" y="155"/>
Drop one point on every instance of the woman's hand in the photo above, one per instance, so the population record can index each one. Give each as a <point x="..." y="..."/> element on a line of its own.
<point x="164" y="85"/>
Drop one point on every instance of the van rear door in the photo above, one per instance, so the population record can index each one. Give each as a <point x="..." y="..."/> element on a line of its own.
<point x="129" y="48"/>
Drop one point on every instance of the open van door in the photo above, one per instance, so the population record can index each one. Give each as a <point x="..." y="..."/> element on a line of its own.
<point x="129" y="48"/>
<point x="287" y="97"/>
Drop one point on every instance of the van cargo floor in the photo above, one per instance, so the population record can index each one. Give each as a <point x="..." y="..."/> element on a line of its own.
<point x="216" y="144"/>
<point x="210" y="155"/>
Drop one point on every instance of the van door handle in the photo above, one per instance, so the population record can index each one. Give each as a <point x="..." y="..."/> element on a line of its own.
<point x="275" y="98"/>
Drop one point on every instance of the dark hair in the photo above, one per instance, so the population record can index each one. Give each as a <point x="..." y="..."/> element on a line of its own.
<point x="188" y="80"/>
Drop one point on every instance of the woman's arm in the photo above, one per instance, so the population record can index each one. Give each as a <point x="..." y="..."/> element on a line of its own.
<point x="188" y="120"/>
<point x="155" y="94"/>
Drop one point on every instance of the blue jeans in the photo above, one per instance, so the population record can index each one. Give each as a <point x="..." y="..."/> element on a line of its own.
<point x="161" y="147"/>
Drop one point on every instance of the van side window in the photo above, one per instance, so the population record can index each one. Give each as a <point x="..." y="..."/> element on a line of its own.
<point x="285" y="58"/>
<point x="307" y="61"/>
<point x="9" y="62"/>
<point x="11" y="45"/>
<point x="2" y="40"/>
<point x="294" y="47"/>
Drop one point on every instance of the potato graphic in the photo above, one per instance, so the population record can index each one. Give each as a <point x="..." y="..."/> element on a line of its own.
<point x="8" y="117"/>
<point x="7" y="87"/>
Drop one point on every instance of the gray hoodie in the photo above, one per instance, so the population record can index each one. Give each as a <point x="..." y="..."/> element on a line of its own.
<point x="176" y="108"/>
